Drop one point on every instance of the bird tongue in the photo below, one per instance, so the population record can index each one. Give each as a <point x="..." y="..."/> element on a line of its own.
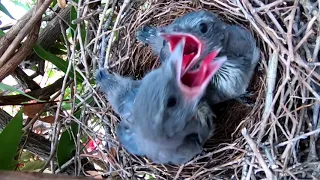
<point x="193" y="82"/>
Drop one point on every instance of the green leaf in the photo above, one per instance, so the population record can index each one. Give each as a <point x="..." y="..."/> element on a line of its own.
<point x="148" y="176"/>
<point x="54" y="2"/>
<point x="5" y="11"/>
<point x="9" y="142"/>
<point x="34" y="166"/>
<point x="66" y="144"/>
<point x="66" y="106"/>
<point x="28" y="6"/>
<point x="25" y="156"/>
<point x="58" y="62"/>
<point x="115" y="37"/>
<point x="73" y="16"/>
<point x="83" y="32"/>
<point x="69" y="33"/>
<point x="83" y="36"/>
<point x="57" y="51"/>
<point x="60" y="46"/>
<point x="5" y="87"/>
<point x="25" y="6"/>
<point x="1" y="33"/>
<point x="51" y="73"/>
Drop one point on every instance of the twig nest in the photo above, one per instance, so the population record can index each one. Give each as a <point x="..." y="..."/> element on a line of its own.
<point x="230" y="153"/>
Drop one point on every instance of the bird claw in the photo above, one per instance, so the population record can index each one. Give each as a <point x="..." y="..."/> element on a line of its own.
<point x="260" y="68"/>
<point x="101" y="74"/>
<point x="144" y="34"/>
<point x="202" y="153"/>
<point x="248" y="94"/>
<point x="207" y="119"/>
<point x="244" y="99"/>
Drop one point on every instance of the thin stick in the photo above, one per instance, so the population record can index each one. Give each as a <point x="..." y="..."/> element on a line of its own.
<point x="84" y="60"/>
<point x="271" y="82"/>
<point x="178" y="173"/>
<point x="124" y="5"/>
<point x="304" y="39"/>
<point x="303" y="136"/>
<point x="250" y="169"/>
<point x="316" y="50"/>
<point x="268" y="6"/>
<point x="94" y="62"/>
<point x="257" y="153"/>
<point x="289" y="38"/>
<point x="273" y="19"/>
<point x="25" y="30"/>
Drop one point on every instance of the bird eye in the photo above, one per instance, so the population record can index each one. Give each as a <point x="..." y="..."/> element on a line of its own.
<point x="203" y="27"/>
<point x="172" y="101"/>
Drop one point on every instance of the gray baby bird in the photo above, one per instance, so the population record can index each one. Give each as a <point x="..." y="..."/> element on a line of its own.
<point x="165" y="121"/>
<point x="205" y="33"/>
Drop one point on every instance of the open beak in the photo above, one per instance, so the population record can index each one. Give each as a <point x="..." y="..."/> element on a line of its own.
<point x="192" y="82"/>
<point x="191" y="51"/>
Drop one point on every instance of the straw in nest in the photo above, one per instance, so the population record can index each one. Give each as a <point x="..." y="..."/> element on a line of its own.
<point x="274" y="139"/>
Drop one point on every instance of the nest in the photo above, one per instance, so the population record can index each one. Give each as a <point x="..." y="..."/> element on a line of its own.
<point x="275" y="139"/>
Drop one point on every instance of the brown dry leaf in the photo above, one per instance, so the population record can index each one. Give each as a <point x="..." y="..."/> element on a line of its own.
<point x="32" y="109"/>
<point x="95" y="174"/>
<point x="100" y="156"/>
<point x="48" y="119"/>
<point x="112" y="155"/>
<point x="113" y="152"/>
<point x="62" y="3"/>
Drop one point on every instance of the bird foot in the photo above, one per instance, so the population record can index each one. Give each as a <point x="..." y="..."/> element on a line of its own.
<point x="144" y="34"/>
<point x="203" y="153"/>
<point x="260" y="68"/>
<point x="244" y="99"/>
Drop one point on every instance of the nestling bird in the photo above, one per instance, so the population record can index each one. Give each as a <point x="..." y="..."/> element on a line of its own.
<point x="120" y="93"/>
<point x="206" y="34"/>
<point x="166" y="122"/>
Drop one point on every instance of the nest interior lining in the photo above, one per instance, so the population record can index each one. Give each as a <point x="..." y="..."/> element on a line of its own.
<point x="143" y="60"/>
<point x="226" y="152"/>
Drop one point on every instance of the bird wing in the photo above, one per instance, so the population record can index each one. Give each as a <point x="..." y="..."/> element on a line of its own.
<point x="119" y="91"/>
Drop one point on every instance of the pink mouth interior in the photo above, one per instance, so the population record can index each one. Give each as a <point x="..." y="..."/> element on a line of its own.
<point x="193" y="82"/>
<point x="198" y="77"/>
<point x="191" y="48"/>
